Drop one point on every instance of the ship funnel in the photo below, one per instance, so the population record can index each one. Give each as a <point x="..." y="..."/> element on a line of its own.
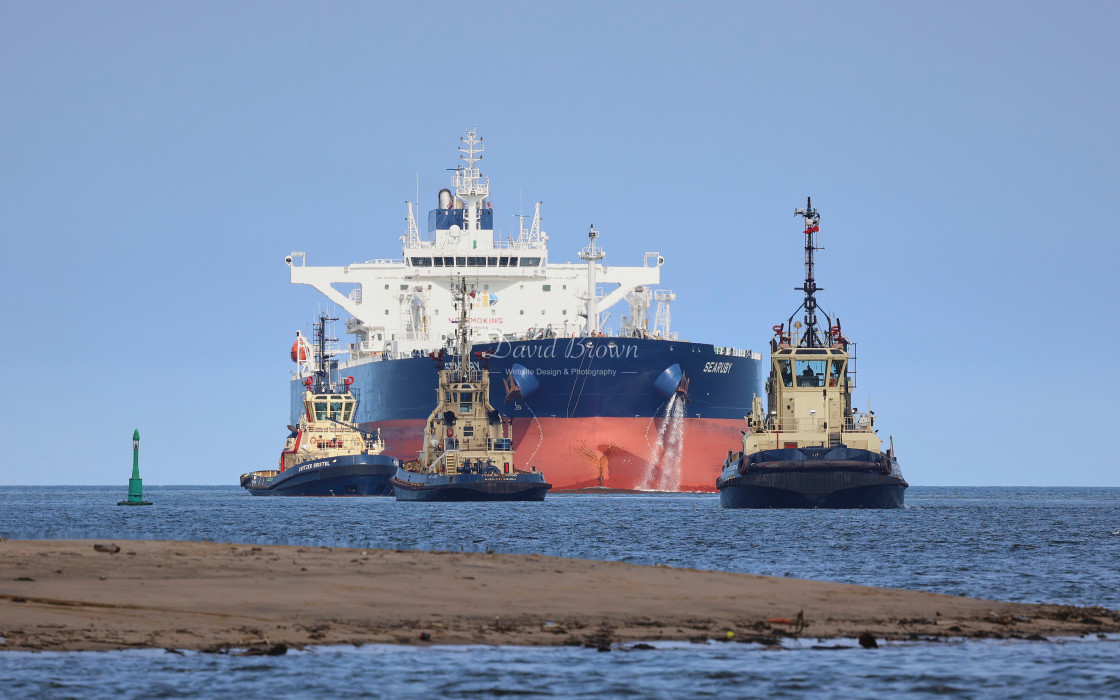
<point x="445" y="199"/>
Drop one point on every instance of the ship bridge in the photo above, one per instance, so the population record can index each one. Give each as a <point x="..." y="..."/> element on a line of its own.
<point x="403" y="307"/>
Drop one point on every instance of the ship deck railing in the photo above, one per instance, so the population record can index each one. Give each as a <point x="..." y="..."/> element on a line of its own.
<point x="809" y="425"/>
<point x="479" y="444"/>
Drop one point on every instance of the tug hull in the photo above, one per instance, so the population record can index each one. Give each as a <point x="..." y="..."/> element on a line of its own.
<point x="413" y="486"/>
<point x="813" y="478"/>
<point x="350" y="475"/>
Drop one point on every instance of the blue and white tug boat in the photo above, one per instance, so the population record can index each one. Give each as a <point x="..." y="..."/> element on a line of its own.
<point x="813" y="449"/>
<point x="467" y="453"/>
<point x="326" y="454"/>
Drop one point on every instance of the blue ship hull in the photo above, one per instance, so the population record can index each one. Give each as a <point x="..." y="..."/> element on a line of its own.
<point x="350" y="475"/>
<point x="412" y="486"/>
<point x="808" y="477"/>
<point x="568" y="378"/>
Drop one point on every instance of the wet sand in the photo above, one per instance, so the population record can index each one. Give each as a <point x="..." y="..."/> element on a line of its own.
<point x="69" y="595"/>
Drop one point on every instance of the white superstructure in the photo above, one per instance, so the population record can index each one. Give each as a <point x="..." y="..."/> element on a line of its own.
<point x="404" y="306"/>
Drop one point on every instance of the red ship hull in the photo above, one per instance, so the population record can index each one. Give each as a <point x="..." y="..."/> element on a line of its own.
<point x="630" y="454"/>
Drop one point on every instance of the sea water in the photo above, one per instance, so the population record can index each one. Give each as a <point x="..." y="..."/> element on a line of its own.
<point x="1058" y="545"/>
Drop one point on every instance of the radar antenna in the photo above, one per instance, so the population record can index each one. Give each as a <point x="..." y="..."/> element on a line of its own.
<point x="473" y="152"/>
<point x="810" y="337"/>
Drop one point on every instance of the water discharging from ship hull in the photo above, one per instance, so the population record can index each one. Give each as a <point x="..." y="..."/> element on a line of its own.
<point x="664" y="470"/>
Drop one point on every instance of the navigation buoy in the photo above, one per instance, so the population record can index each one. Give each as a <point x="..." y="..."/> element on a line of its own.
<point x="135" y="485"/>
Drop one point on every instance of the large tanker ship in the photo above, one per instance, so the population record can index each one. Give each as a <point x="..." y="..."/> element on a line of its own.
<point x="594" y="405"/>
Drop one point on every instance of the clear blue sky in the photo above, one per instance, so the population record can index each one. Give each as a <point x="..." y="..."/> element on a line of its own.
<point x="158" y="160"/>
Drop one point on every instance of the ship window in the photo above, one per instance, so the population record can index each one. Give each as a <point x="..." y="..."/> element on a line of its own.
<point x="421" y="262"/>
<point x="336" y="410"/>
<point x="347" y="413"/>
<point x="460" y="261"/>
<point x="438" y="262"/>
<point x="448" y="262"/>
<point x="492" y="262"/>
<point x="837" y="371"/>
<point x="476" y="262"/>
<point x="404" y="287"/>
<point x="320" y="410"/>
<point x="503" y="262"/>
<point x="811" y="372"/>
<point x="530" y="262"/>
<point x="787" y="373"/>
<point x="546" y="287"/>
<point x="468" y="431"/>
<point x="513" y="262"/>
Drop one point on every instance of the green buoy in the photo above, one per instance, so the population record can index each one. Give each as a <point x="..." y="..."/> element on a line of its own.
<point x="135" y="485"/>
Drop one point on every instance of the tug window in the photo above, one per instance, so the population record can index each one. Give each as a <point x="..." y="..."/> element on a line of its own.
<point x="336" y="410"/>
<point x="811" y="372"/>
<point x="465" y="401"/>
<point x="468" y="431"/>
<point x="787" y="373"/>
<point x="836" y="372"/>
<point x="320" y="410"/>
<point x="348" y="411"/>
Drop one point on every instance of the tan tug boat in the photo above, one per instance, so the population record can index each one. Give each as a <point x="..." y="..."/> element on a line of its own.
<point x="326" y="453"/>
<point x="467" y="453"/>
<point x="813" y="449"/>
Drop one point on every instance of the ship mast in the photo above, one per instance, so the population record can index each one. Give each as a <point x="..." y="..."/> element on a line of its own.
<point x="592" y="254"/>
<point x="462" y="332"/>
<point x="810" y="337"/>
<point x="322" y="357"/>
<point x="470" y="186"/>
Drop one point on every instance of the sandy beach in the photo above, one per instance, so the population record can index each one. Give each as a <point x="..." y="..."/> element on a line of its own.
<point x="89" y="595"/>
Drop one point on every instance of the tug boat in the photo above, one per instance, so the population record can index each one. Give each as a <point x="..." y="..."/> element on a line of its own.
<point x="467" y="453"/>
<point x="326" y="453"/>
<point x="813" y="449"/>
